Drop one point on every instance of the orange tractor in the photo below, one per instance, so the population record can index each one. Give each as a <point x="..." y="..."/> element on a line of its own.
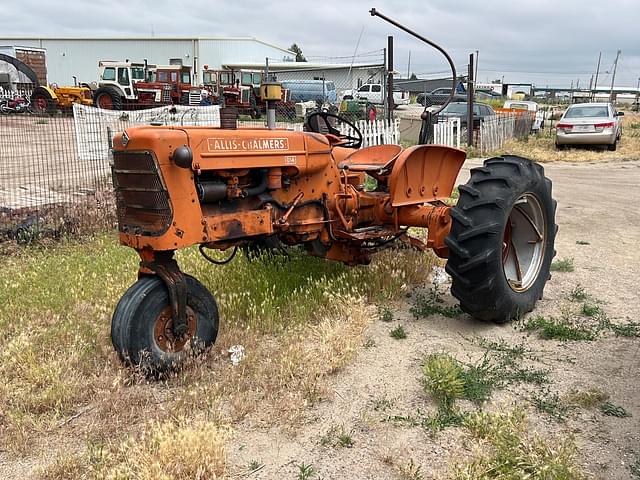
<point x="228" y="188"/>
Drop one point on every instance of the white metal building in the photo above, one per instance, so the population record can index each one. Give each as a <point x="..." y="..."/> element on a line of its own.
<point x="344" y="76"/>
<point x="69" y="57"/>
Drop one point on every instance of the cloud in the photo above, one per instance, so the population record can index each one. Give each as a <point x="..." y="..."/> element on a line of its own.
<point x="556" y="41"/>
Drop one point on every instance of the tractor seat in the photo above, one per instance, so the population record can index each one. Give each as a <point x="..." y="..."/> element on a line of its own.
<point x="371" y="159"/>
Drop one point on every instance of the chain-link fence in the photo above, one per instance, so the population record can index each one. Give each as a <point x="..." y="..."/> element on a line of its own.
<point x="55" y="177"/>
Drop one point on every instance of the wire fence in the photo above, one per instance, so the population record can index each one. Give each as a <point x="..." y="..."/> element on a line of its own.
<point x="55" y="176"/>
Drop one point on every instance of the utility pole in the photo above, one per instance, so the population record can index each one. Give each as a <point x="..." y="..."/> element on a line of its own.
<point x="571" y="91"/>
<point x="591" y="83"/>
<point x="638" y="95"/>
<point x="409" y="66"/>
<point x="595" y="85"/>
<point x="613" y="77"/>
<point x="470" y="102"/>
<point x="389" y="77"/>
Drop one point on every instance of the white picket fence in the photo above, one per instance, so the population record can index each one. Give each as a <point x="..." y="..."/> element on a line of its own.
<point x="378" y="132"/>
<point x="11" y="94"/>
<point x="497" y="130"/>
<point x="447" y="133"/>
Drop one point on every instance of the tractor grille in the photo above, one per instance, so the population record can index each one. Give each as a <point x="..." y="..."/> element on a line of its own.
<point x="142" y="201"/>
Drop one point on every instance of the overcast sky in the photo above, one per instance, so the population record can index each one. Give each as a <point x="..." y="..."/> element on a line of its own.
<point x="547" y="42"/>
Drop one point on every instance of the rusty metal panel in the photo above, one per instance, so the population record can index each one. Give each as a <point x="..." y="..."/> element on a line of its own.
<point x="142" y="201"/>
<point x="424" y="173"/>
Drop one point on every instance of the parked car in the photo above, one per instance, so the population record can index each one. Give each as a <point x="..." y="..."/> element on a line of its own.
<point x="311" y="90"/>
<point x="459" y="110"/>
<point x="374" y="93"/>
<point x="439" y="96"/>
<point x="589" y="124"/>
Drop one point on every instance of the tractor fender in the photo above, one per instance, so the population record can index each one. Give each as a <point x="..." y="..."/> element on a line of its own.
<point x="424" y="173"/>
<point x="47" y="90"/>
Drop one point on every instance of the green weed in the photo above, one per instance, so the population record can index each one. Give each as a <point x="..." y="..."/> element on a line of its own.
<point x="385" y="314"/>
<point x="337" y="436"/>
<point x="382" y="404"/>
<point x="432" y="303"/>
<point x="551" y="404"/>
<point x="578" y="294"/>
<point x="558" y="329"/>
<point x="398" y="333"/>
<point x="582" y="242"/>
<point x="612" y="410"/>
<point x="591" y="310"/>
<point x="564" y="265"/>
<point x="306" y="472"/>
<point x="634" y="468"/>
<point x="631" y="329"/>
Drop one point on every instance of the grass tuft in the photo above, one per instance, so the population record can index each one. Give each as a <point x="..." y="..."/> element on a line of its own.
<point x="589" y="398"/>
<point x="612" y="410"/>
<point x="385" y="314"/>
<point x="507" y="450"/>
<point x="564" y="265"/>
<point x="558" y="329"/>
<point x="398" y="333"/>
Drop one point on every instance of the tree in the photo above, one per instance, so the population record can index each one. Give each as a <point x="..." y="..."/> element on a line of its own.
<point x="413" y="77"/>
<point x="298" y="51"/>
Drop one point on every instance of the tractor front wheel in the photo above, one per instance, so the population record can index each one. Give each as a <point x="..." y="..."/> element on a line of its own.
<point x="42" y="102"/>
<point x="142" y="325"/>
<point x="502" y="239"/>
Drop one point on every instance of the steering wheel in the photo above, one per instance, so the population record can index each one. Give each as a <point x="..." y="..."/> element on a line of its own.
<point x="347" y="141"/>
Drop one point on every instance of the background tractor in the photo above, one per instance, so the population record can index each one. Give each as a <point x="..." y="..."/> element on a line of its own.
<point x="127" y="84"/>
<point x="48" y="99"/>
<point x="224" y="189"/>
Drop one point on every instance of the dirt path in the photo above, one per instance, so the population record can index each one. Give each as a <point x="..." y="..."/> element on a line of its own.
<point x="597" y="203"/>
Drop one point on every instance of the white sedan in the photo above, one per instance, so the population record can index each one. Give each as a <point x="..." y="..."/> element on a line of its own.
<point x="589" y="124"/>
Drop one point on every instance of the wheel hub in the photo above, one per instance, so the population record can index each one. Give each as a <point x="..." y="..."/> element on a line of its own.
<point x="523" y="243"/>
<point x="163" y="331"/>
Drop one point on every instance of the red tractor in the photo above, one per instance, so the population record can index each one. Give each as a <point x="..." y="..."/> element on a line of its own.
<point x="125" y="84"/>
<point x="241" y="89"/>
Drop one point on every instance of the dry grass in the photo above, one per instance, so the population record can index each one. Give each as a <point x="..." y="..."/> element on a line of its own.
<point x="178" y="450"/>
<point x="541" y="148"/>
<point x="300" y="320"/>
<point x="507" y="449"/>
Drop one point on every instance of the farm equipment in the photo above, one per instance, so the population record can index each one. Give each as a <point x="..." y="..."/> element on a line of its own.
<point x="127" y="84"/>
<point x="230" y="188"/>
<point x="241" y="89"/>
<point x="47" y="99"/>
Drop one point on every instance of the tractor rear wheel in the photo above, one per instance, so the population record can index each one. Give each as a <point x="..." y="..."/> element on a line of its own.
<point x="142" y="325"/>
<point x="502" y="239"/>
<point x="41" y="101"/>
<point x="107" y="98"/>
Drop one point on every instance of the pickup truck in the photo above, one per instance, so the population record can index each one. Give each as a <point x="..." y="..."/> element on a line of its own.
<point x="374" y="93"/>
